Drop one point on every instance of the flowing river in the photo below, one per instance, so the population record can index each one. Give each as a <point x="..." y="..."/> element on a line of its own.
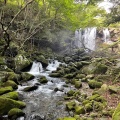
<point x="44" y="103"/>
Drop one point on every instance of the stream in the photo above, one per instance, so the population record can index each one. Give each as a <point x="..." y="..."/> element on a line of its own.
<point x="44" y="103"/>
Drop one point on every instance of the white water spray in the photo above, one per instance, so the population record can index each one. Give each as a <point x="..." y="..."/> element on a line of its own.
<point x="106" y="35"/>
<point x="86" y="38"/>
<point x="36" y="68"/>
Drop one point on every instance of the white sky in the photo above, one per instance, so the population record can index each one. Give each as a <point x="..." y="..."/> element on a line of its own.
<point x="106" y="5"/>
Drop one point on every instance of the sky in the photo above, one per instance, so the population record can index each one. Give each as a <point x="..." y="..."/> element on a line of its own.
<point x="106" y="5"/>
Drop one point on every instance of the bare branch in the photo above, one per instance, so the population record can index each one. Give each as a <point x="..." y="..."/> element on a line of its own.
<point x="18" y="14"/>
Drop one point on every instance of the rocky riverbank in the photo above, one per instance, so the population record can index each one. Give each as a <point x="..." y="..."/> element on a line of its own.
<point x="85" y="88"/>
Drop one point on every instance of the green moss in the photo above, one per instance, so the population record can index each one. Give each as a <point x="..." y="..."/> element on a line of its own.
<point x="21" y="62"/>
<point x="100" y="69"/>
<point x="43" y="79"/>
<point x="70" y="93"/>
<point x="69" y="76"/>
<point x="97" y="106"/>
<point x="78" y="84"/>
<point x="88" y="107"/>
<point x="2" y="61"/>
<point x="26" y="76"/>
<point x="79" y="65"/>
<point x="116" y="114"/>
<point x="114" y="89"/>
<point x="55" y="75"/>
<point x="4" y="90"/>
<point x="67" y="70"/>
<point x="13" y="76"/>
<point x="30" y="88"/>
<point x="7" y="104"/>
<point x="94" y="84"/>
<point x="11" y="95"/>
<point x="69" y="118"/>
<point x="70" y="105"/>
<point x="80" y="76"/>
<point x="10" y="83"/>
<point x="79" y="110"/>
<point x="15" y="113"/>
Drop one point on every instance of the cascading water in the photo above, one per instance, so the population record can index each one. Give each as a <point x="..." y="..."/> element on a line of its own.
<point x="86" y="38"/>
<point x="89" y="38"/>
<point x="43" y="102"/>
<point x="53" y="65"/>
<point x="36" y="68"/>
<point x="106" y="35"/>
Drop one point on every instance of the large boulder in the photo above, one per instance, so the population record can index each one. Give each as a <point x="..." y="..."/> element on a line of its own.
<point x="26" y="76"/>
<point x="11" y="95"/>
<point x="21" y="62"/>
<point x="6" y="104"/>
<point x="43" y="79"/>
<point x="4" y="90"/>
<point x="30" y="88"/>
<point x="15" y="113"/>
<point x="10" y="83"/>
<point x="94" y="84"/>
<point x="43" y="60"/>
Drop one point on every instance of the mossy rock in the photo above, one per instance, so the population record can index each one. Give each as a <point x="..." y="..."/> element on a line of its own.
<point x="78" y="84"/>
<point x="70" y="93"/>
<point x="72" y="69"/>
<point x="94" y="84"/>
<point x="69" y="76"/>
<point x="90" y="76"/>
<point x="108" y="112"/>
<point x="100" y="69"/>
<point x="43" y="60"/>
<point x="88" y="107"/>
<point x="5" y="68"/>
<point x="89" y="69"/>
<point x="10" y="83"/>
<point x="13" y="76"/>
<point x="43" y="79"/>
<point x="73" y="81"/>
<point x="79" y="110"/>
<point x="98" y="106"/>
<point x="114" y="89"/>
<point x="67" y="59"/>
<point x="80" y="76"/>
<point x="30" y="88"/>
<point x="2" y="61"/>
<point x="77" y="93"/>
<point x="103" y="89"/>
<point x="26" y="76"/>
<point x="102" y="78"/>
<point x="4" y="90"/>
<point x="79" y="65"/>
<point x="66" y="70"/>
<point x="70" y="105"/>
<point x="85" y="63"/>
<point x="6" y="104"/>
<point x="69" y="118"/>
<point x="85" y="102"/>
<point x="21" y="62"/>
<point x="11" y="95"/>
<point x="15" y="113"/>
<point x="116" y="114"/>
<point x="55" y="75"/>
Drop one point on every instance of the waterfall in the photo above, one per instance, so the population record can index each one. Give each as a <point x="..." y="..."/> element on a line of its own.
<point x="36" y="67"/>
<point x="106" y="35"/>
<point x="89" y="38"/>
<point x="52" y="66"/>
<point x="86" y="38"/>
